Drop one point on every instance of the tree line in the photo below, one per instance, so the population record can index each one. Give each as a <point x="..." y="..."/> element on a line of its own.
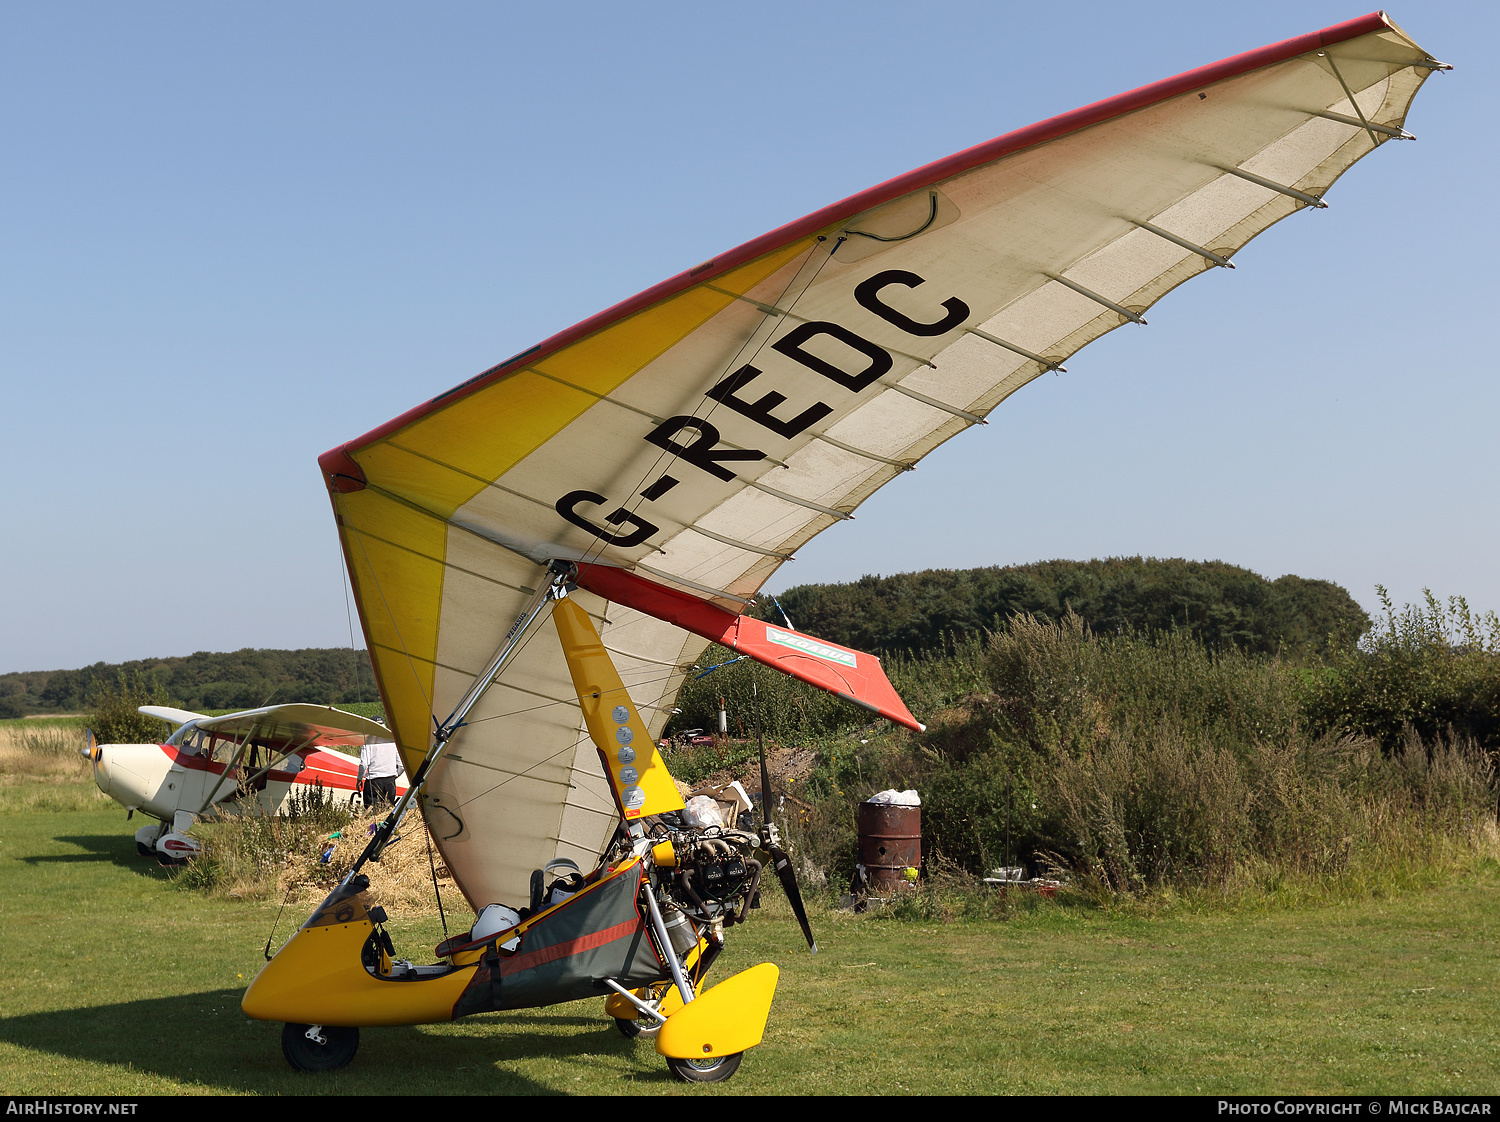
<point x="1219" y="604"/>
<point x="241" y="679"/>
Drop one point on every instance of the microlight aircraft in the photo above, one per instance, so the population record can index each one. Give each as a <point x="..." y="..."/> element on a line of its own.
<point x="638" y="478"/>
<point x="256" y="761"/>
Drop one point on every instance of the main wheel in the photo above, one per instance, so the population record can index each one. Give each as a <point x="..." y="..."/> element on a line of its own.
<point x="305" y="1054"/>
<point x="643" y="1029"/>
<point x="714" y="1070"/>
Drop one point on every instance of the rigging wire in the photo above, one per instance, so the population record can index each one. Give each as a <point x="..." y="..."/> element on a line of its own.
<point x="272" y="933"/>
<point x="349" y="614"/>
<point x="432" y="864"/>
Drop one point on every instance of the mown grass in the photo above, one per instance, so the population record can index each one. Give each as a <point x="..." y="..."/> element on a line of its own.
<point x="117" y="983"/>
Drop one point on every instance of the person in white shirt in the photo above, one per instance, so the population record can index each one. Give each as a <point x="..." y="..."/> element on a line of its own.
<point x="379" y="764"/>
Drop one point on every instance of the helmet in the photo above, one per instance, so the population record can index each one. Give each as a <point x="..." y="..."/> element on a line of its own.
<point x="494" y="919"/>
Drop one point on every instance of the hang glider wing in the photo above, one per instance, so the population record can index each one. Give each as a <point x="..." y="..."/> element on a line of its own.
<point x="699" y="433"/>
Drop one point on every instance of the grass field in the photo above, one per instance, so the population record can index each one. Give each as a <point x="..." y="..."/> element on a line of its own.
<point x="118" y="982"/>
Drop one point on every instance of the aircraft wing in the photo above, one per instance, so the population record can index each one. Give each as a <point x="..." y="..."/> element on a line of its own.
<point x="698" y="434"/>
<point x="292" y="727"/>
<point x="168" y="713"/>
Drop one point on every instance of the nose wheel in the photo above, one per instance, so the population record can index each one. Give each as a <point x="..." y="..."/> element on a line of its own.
<point x="318" y="1047"/>
<point x="714" y="1070"/>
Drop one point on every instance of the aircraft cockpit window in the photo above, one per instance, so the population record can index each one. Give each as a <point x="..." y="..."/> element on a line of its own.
<point x="188" y="741"/>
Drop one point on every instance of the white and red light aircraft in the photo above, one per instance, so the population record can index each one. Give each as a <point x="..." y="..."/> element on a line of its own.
<point x="254" y="761"/>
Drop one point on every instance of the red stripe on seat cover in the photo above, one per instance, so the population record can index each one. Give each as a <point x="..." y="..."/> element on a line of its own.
<point x="569" y="947"/>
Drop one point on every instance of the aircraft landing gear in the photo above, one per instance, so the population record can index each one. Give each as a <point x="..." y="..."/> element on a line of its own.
<point x="318" y="1047"/>
<point x="632" y="1030"/>
<point x="715" y="1070"/>
<point x="643" y="1028"/>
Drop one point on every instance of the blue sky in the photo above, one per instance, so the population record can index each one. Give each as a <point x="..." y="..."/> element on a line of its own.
<point x="237" y="235"/>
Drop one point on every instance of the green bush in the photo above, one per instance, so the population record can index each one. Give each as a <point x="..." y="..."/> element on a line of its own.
<point x="1144" y="762"/>
<point x="1432" y="668"/>
<point x="1061" y="688"/>
<point x="980" y="812"/>
<point x="113" y="710"/>
<point x="318" y="808"/>
<point x="246" y="855"/>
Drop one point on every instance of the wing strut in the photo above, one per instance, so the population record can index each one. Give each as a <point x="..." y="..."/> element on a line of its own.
<point x="234" y="761"/>
<point x="556" y="588"/>
<point x="638" y="776"/>
<point x="279" y="759"/>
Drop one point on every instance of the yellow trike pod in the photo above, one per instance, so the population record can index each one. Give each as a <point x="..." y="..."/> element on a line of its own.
<point x="323" y="975"/>
<point x="723" y="1022"/>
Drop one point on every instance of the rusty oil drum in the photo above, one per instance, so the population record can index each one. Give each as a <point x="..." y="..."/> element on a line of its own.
<point x="890" y="842"/>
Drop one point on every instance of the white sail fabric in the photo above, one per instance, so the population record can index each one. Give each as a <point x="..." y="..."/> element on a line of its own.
<point x="702" y="432"/>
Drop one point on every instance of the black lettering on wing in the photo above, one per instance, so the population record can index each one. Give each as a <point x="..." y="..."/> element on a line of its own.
<point x="567" y="506"/>
<point x="791" y="345"/>
<point x="700" y="451"/>
<point x="868" y="296"/>
<point x="759" y="410"/>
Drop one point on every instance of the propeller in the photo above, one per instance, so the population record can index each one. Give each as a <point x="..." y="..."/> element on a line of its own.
<point x="90" y="752"/>
<point x="779" y="859"/>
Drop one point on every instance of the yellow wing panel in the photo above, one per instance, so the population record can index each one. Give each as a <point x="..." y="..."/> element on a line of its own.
<point x="449" y="456"/>
<point x="395" y="556"/>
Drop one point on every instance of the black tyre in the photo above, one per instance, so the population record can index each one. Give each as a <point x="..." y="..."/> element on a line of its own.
<point x="643" y="1029"/>
<point x="714" y="1070"/>
<point x="306" y="1054"/>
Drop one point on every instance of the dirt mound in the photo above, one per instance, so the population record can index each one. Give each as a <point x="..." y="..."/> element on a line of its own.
<point x="788" y="767"/>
